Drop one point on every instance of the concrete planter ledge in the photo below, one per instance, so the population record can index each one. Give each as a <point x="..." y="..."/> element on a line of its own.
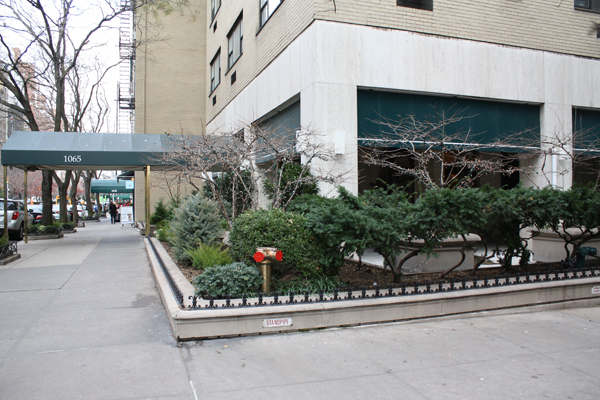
<point x="549" y="247"/>
<point x="44" y="237"/>
<point x="236" y="321"/>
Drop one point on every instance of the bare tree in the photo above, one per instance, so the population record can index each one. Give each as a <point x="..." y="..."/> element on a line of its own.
<point x="579" y="150"/>
<point x="251" y="156"/>
<point x="51" y="54"/>
<point x="443" y="155"/>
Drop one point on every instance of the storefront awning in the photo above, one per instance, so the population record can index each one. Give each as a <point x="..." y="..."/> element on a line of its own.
<point x="111" y="186"/>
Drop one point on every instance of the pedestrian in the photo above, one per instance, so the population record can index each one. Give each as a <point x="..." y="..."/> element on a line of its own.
<point x="113" y="212"/>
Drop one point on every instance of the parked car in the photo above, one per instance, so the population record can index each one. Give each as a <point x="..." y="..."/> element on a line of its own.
<point x="56" y="211"/>
<point x="36" y="212"/>
<point x="16" y="218"/>
<point x="81" y="212"/>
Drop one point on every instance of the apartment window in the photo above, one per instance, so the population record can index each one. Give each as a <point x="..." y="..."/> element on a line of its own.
<point x="235" y="39"/>
<point x="214" y="8"/>
<point x="593" y="5"/>
<point x="419" y="4"/>
<point x="215" y="71"/>
<point x="267" y="7"/>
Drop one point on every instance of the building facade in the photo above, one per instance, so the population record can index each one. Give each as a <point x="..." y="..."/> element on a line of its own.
<point x="334" y="66"/>
<point x="519" y="64"/>
<point x="170" y="85"/>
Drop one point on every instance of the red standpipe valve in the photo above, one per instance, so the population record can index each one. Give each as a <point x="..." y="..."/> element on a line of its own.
<point x="264" y="256"/>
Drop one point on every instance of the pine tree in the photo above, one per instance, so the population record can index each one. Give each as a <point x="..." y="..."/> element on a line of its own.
<point x="195" y="222"/>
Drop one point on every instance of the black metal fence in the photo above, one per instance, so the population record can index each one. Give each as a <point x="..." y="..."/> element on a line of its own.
<point x="174" y="288"/>
<point x="450" y="285"/>
<point x="7" y="250"/>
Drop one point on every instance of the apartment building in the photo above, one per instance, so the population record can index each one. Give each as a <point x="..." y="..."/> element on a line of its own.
<point x="170" y="84"/>
<point x="336" y="65"/>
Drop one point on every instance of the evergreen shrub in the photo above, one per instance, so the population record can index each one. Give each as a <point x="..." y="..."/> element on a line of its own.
<point x="196" y="221"/>
<point x="161" y="213"/>
<point x="164" y="232"/>
<point x="283" y="230"/>
<point x="292" y="180"/>
<point x="234" y="279"/>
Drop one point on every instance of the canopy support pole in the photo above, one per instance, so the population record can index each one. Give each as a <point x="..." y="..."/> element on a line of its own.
<point x="147" y="201"/>
<point x="5" y="187"/>
<point x="26" y="222"/>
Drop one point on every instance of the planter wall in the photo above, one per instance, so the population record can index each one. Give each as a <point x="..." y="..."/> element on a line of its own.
<point x="549" y="247"/>
<point x="223" y="321"/>
<point x="447" y="256"/>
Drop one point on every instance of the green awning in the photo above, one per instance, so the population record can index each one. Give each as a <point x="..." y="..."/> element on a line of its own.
<point x="111" y="186"/>
<point x="81" y="151"/>
<point x="487" y="121"/>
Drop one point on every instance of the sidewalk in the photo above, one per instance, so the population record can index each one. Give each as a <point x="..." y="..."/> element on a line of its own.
<point x="80" y="318"/>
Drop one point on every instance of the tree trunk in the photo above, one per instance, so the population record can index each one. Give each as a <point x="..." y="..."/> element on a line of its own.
<point x="62" y="192"/>
<point x="75" y="176"/>
<point x="87" y="180"/>
<point x="47" y="218"/>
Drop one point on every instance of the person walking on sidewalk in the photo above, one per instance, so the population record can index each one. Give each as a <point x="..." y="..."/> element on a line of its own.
<point x="113" y="212"/>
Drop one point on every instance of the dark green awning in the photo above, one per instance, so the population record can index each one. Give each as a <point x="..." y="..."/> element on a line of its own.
<point x="110" y="186"/>
<point x="80" y="151"/>
<point x="487" y="122"/>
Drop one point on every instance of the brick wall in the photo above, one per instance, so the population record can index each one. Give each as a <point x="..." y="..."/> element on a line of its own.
<point x="170" y="88"/>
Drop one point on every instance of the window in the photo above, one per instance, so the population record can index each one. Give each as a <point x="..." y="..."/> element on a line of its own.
<point x="267" y="7"/>
<point x="215" y="71"/>
<point x="235" y="39"/>
<point x="419" y="4"/>
<point x="214" y="8"/>
<point x="593" y="5"/>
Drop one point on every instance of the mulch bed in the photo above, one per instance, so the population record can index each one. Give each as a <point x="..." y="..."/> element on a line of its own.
<point x="356" y="276"/>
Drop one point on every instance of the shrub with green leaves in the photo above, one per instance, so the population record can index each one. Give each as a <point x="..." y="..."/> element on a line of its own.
<point x="290" y="181"/>
<point x="205" y="256"/>
<point x="161" y="213"/>
<point x="325" y="283"/>
<point x="283" y="230"/>
<point x="164" y="232"/>
<point x="45" y="229"/>
<point x="233" y="190"/>
<point x="67" y="225"/>
<point x="234" y="279"/>
<point x="196" y="221"/>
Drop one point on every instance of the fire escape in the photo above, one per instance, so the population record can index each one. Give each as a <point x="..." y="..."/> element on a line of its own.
<point x="126" y="83"/>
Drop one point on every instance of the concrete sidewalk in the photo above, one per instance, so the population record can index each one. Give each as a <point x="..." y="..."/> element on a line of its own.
<point x="80" y="318"/>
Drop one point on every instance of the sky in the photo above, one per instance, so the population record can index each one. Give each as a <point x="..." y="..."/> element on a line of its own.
<point x="104" y="45"/>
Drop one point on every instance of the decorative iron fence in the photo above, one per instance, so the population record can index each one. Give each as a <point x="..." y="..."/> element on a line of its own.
<point x="7" y="250"/>
<point x="274" y="299"/>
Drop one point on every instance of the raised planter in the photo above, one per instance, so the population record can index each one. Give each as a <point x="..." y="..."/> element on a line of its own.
<point x="8" y="253"/>
<point x="193" y="318"/>
<point x="45" y="236"/>
<point x="447" y="255"/>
